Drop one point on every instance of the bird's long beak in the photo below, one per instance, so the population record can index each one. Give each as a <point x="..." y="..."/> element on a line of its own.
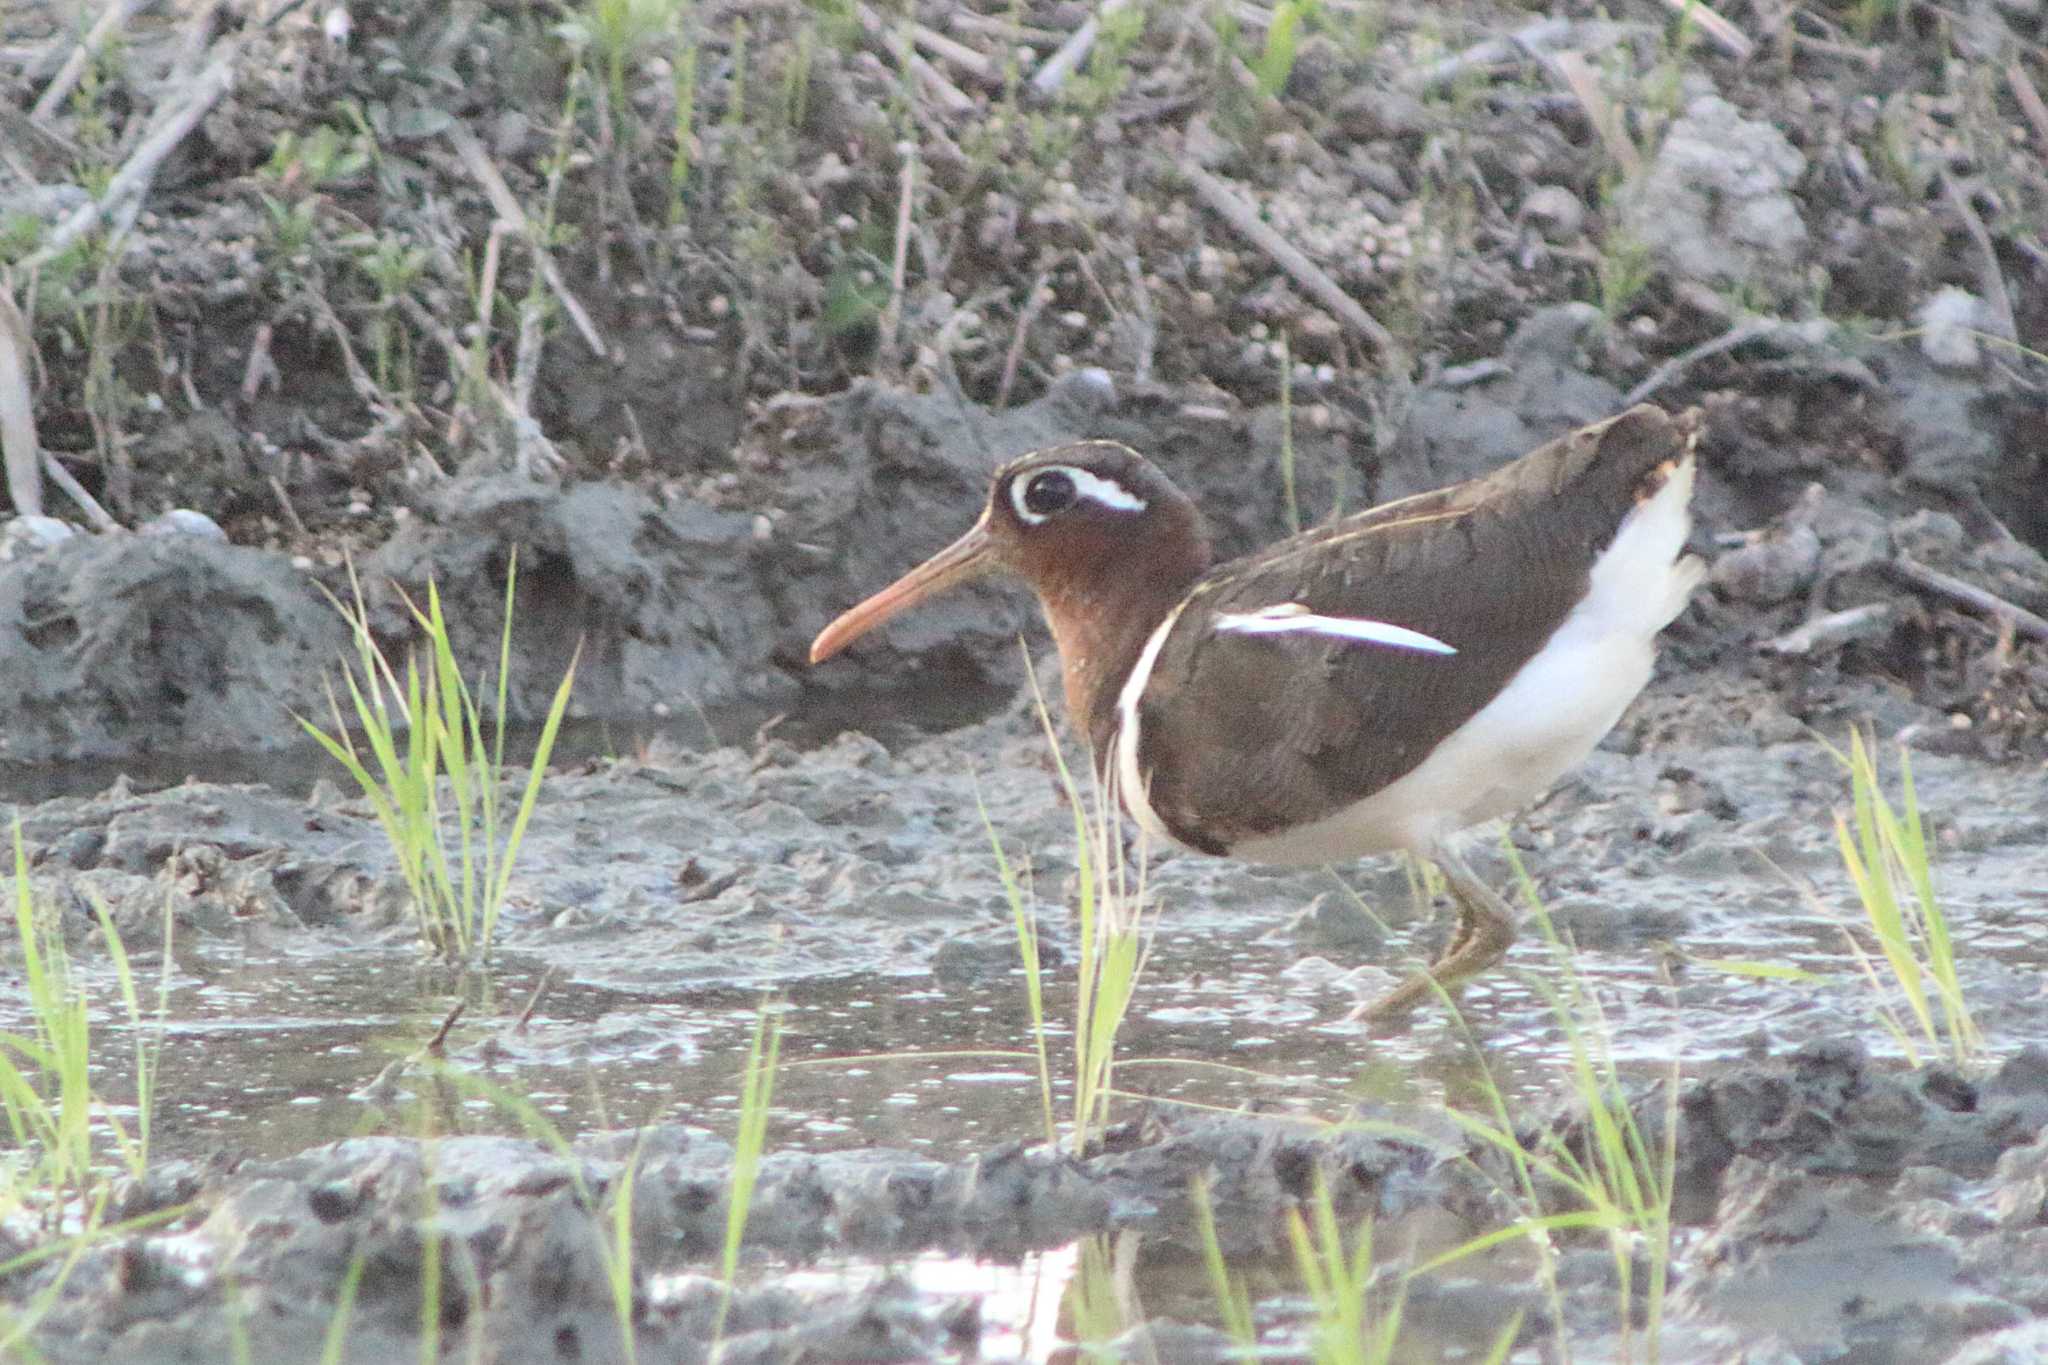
<point x="972" y="554"/>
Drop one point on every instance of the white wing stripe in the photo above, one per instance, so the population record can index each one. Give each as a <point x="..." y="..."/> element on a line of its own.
<point x="1292" y="617"/>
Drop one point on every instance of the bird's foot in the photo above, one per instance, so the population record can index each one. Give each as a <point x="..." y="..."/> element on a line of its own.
<point x="1399" y="1002"/>
<point x="1486" y="930"/>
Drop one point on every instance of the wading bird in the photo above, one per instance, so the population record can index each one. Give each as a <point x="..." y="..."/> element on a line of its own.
<point x="1374" y="684"/>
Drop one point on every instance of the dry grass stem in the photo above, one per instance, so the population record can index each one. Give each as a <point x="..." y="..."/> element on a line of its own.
<point x="506" y="205"/>
<point x="111" y="21"/>
<point x="1990" y="278"/>
<point x="899" y="265"/>
<point x="1034" y="304"/>
<point x="2030" y="102"/>
<point x="129" y="184"/>
<point x="1067" y="58"/>
<point x="1577" y="75"/>
<point x="1722" y="33"/>
<point x="1529" y="40"/>
<point x="18" y="410"/>
<point x="100" y="517"/>
<point x="1969" y="595"/>
<point x="1244" y="218"/>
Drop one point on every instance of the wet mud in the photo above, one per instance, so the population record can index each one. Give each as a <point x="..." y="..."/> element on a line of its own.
<point x="1832" y="253"/>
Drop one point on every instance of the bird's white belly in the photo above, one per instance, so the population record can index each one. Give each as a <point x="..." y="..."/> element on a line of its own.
<point x="1552" y="712"/>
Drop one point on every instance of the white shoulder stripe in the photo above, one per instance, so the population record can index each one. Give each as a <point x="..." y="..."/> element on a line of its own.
<point x="1292" y="617"/>
<point x="1133" y="784"/>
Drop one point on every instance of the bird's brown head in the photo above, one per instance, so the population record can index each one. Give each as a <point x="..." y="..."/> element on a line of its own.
<point x="1101" y="535"/>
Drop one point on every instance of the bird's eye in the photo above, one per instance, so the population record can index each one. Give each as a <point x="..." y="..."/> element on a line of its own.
<point x="1044" y="493"/>
<point x="1049" y="492"/>
<point x="1052" y="489"/>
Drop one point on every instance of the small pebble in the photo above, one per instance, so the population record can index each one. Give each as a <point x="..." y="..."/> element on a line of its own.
<point x="25" y="536"/>
<point x="183" y="521"/>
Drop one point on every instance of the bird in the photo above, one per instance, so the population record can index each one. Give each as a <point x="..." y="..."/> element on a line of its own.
<point x="1374" y="684"/>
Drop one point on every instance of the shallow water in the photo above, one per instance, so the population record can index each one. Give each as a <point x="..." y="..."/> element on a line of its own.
<point x="279" y="1033"/>
<point x="266" y="1051"/>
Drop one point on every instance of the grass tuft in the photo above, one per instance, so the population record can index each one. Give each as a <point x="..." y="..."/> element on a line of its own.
<point x="1115" y="937"/>
<point x="757" y="1090"/>
<point x="1114" y="933"/>
<point x="1233" y="1300"/>
<point x="1884" y="849"/>
<point x="50" y="1172"/>
<point x="46" y="1091"/>
<point x="615" y="1205"/>
<point x="1339" y="1281"/>
<point x="1101" y="1300"/>
<point x="1025" y="918"/>
<point x="1616" y="1180"/>
<point x="1275" y="62"/>
<point x="457" y="898"/>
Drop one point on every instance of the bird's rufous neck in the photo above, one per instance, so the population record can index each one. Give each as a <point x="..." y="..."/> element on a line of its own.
<point x="1101" y="625"/>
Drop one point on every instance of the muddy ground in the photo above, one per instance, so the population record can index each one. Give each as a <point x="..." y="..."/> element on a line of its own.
<point x="812" y="272"/>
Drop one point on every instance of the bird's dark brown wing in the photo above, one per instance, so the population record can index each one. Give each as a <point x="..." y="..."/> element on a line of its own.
<point x="1242" y="735"/>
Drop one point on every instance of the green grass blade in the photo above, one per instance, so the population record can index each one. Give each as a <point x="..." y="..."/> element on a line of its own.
<point x="530" y="797"/>
<point x="757" y="1089"/>
<point x="1763" y="971"/>
<point x="335" y="1344"/>
<point x="505" y="659"/>
<point x="1233" y="1301"/>
<point x="1027" y="950"/>
<point x="619" y="1257"/>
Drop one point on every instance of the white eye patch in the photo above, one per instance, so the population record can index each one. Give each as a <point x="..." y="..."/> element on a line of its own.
<point x="1044" y="492"/>
<point x="1290" y="618"/>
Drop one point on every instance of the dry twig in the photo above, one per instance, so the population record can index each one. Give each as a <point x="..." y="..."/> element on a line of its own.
<point x="1530" y="39"/>
<point x="112" y="19"/>
<point x="540" y="992"/>
<point x="1742" y="333"/>
<point x="437" y="1046"/>
<point x="1001" y="27"/>
<point x="259" y="368"/>
<point x="132" y="181"/>
<point x="366" y="388"/>
<point x="528" y="451"/>
<point x="959" y="55"/>
<point x="285" y="505"/>
<point x="956" y="101"/>
<point x="1833" y="630"/>
<point x="1244" y="218"/>
<point x="2030" y="102"/>
<point x="950" y="50"/>
<point x="99" y="516"/>
<point x="1990" y="279"/>
<point x="1964" y="594"/>
<point x="531" y="444"/>
<point x="1066" y="59"/>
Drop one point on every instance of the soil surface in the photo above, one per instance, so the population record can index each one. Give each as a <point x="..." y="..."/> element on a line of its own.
<point x="718" y="316"/>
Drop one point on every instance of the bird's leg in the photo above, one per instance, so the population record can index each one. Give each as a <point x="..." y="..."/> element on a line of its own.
<point x="1486" y="927"/>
